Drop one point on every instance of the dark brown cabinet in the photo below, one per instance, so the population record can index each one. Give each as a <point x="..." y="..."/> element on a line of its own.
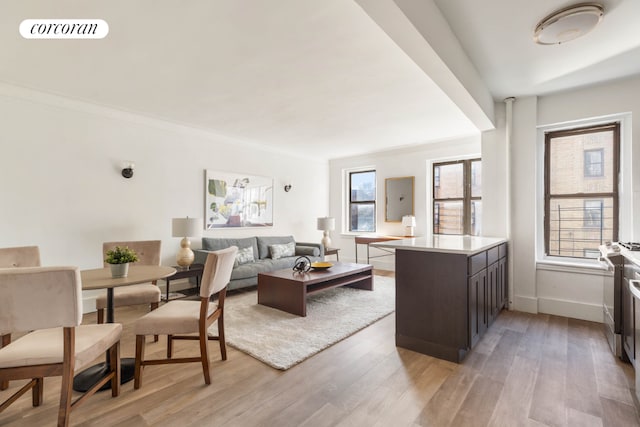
<point x="477" y="306"/>
<point x="629" y="307"/>
<point x="445" y="302"/>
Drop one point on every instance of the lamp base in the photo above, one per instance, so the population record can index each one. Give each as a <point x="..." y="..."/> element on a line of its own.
<point x="185" y="255"/>
<point x="408" y="232"/>
<point x="326" y="240"/>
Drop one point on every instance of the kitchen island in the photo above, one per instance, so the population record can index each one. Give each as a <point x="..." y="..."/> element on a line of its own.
<point x="449" y="289"/>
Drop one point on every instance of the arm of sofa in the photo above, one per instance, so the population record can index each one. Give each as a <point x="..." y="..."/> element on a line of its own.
<point x="200" y="256"/>
<point x="303" y="248"/>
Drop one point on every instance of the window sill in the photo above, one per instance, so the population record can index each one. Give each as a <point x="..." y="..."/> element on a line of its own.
<point x="578" y="267"/>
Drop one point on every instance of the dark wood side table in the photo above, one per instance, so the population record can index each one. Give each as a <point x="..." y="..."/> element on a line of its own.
<point x="195" y="270"/>
<point x="332" y="251"/>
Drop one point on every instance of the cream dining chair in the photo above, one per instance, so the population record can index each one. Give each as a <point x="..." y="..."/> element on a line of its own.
<point x="146" y="293"/>
<point x="177" y="318"/>
<point x="21" y="256"/>
<point x="46" y="302"/>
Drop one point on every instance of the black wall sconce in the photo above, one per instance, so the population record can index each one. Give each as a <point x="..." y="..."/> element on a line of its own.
<point x="127" y="170"/>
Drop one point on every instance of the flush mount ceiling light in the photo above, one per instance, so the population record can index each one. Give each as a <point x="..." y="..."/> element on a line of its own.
<point x="568" y="23"/>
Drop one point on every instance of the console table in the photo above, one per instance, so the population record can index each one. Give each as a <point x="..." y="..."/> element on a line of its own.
<point x="195" y="270"/>
<point x="367" y="240"/>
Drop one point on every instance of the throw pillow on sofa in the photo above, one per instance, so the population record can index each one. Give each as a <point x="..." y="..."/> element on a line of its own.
<point x="282" y="250"/>
<point x="244" y="256"/>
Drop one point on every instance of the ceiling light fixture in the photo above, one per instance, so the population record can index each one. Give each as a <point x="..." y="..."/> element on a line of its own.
<point x="568" y="23"/>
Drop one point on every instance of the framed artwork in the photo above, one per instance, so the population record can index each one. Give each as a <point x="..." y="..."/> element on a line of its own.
<point x="235" y="200"/>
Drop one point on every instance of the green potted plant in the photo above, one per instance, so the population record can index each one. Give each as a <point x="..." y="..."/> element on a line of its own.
<point x="119" y="259"/>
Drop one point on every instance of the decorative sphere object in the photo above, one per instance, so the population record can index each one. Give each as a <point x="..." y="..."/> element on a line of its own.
<point x="302" y="264"/>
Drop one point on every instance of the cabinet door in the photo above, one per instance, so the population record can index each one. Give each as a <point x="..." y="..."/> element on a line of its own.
<point x="494" y="299"/>
<point x="477" y="306"/>
<point x="628" y="321"/>
<point x="503" y="283"/>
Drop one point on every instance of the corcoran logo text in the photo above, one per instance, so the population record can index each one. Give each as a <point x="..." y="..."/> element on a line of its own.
<point x="64" y="29"/>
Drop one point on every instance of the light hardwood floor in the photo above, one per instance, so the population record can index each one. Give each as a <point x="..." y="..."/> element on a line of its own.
<point x="528" y="370"/>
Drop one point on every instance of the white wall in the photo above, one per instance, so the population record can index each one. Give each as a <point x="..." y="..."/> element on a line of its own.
<point x="62" y="190"/>
<point x="413" y="161"/>
<point x="556" y="289"/>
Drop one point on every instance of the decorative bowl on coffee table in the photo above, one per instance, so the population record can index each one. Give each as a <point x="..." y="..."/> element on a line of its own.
<point x="321" y="265"/>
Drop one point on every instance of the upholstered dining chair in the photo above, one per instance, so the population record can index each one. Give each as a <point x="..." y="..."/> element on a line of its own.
<point x="146" y="293"/>
<point x="46" y="302"/>
<point x="177" y="318"/>
<point x="21" y="256"/>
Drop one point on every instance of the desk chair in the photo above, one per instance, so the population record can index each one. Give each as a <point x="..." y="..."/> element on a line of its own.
<point x="23" y="256"/>
<point x="47" y="301"/>
<point x="146" y="293"/>
<point x="177" y="318"/>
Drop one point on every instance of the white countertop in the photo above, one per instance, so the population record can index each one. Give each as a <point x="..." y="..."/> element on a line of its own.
<point x="633" y="256"/>
<point x="467" y="245"/>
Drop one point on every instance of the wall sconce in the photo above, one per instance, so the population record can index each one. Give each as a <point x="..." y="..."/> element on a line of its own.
<point x="127" y="170"/>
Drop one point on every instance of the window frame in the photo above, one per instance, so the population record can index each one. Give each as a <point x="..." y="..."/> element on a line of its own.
<point x="361" y="202"/>
<point x="466" y="198"/>
<point x="614" y="194"/>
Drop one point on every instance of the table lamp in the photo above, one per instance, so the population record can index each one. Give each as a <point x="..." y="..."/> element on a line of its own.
<point x="185" y="228"/>
<point x="326" y="224"/>
<point x="409" y="222"/>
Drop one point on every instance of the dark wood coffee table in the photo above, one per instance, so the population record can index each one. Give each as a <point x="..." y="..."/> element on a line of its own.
<point x="287" y="290"/>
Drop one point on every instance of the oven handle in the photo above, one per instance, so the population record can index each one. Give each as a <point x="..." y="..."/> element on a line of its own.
<point x="607" y="261"/>
<point x="634" y="287"/>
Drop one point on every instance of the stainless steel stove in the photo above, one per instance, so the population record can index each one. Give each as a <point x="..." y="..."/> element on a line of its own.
<point x="630" y="246"/>
<point x="612" y="296"/>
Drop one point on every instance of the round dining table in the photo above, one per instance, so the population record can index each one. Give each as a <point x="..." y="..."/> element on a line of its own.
<point x="100" y="278"/>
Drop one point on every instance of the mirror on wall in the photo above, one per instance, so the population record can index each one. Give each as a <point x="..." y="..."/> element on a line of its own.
<point x="398" y="198"/>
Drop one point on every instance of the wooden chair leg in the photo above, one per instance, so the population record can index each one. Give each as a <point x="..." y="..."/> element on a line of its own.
<point x="155" y="305"/>
<point x="66" y="391"/>
<point x="204" y="356"/>
<point x="114" y="357"/>
<point x="137" y="375"/>
<point x="169" y="346"/>
<point x="37" y="393"/>
<point x="223" y="344"/>
<point x="100" y="314"/>
<point x="5" y="340"/>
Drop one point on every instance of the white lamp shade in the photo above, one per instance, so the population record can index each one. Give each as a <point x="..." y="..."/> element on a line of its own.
<point x="409" y="221"/>
<point x="186" y="227"/>
<point x="326" y="223"/>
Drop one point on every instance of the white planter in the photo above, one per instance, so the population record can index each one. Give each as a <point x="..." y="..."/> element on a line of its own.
<point x="119" y="270"/>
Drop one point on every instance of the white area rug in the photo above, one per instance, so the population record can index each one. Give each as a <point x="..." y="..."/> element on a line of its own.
<point x="282" y="340"/>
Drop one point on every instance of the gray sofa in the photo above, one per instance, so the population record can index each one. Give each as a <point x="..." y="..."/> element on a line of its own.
<point x="245" y="273"/>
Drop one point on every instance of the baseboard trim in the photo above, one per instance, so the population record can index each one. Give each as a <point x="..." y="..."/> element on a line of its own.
<point x="526" y="304"/>
<point x="572" y="309"/>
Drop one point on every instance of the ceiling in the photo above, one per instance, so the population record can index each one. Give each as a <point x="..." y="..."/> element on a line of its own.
<point x="300" y="75"/>
<point x="497" y="35"/>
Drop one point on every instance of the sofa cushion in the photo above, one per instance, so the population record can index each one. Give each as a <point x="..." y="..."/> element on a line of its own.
<point x="215" y="244"/>
<point x="251" y="269"/>
<point x="283" y="250"/>
<point x="307" y="250"/>
<point x="244" y="256"/>
<point x="265" y="241"/>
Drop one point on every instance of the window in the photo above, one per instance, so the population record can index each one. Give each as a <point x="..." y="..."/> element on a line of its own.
<point x="457" y="201"/>
<point x="581" y="190"/>
<point x="593" y="163"/>
<point x="362" y="201"/>
<point x="593" y="213"/>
